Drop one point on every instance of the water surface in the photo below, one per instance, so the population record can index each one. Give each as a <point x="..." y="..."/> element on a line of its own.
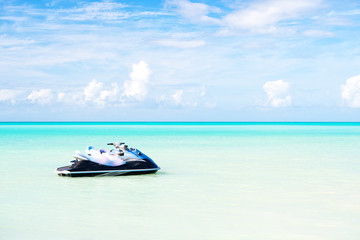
<point x="218" y="181"/>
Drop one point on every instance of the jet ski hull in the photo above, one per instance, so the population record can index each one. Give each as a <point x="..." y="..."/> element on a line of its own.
<point x="84" y="168"/>
<point x="66" y="173"/>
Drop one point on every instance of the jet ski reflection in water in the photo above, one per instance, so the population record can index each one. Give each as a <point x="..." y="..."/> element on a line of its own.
<point x="119" y="161"/>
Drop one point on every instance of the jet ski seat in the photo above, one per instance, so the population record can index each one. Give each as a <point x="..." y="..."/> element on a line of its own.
<point x="103" y="157"/>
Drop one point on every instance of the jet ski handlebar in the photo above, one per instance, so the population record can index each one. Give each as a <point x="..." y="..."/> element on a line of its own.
<point x="116" y="144"/>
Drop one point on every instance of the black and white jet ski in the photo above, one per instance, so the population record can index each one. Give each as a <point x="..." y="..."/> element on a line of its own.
<point x="119" y="161"/>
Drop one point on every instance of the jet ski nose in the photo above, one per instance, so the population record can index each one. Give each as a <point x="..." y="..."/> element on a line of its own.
<point x="62" y="173"/>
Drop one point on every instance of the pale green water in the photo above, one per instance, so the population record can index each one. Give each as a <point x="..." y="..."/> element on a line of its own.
<point x="218" y="181"/>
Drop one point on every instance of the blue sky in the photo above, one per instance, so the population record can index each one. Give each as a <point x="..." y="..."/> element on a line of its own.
<point x="179" y="60"/>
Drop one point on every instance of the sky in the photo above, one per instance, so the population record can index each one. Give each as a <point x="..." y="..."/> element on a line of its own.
<point x="180" y="60"/>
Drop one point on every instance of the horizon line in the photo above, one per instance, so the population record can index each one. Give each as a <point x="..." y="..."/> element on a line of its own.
<point x="186" y="122"/>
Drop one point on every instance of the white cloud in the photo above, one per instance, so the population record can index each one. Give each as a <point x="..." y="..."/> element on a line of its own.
<point x="136" y="87"/>
<point x="43" y="96"/>
<point x="350" y="92"/>
<point x="191" y="96"/>
<point x="95" y="92"/>
<point x="92" y="90"/>
<point x="185" y="99"/>
<point x="180" y="43"/>
<point x="265" y="15"/>
<point x="278" y="93"/>
<point x="259" y="16"/>
<point x="195" y="12"/>
<point x="8" y="95"/>
<point x="71" y="97"/>
<point x="108" y="95"/>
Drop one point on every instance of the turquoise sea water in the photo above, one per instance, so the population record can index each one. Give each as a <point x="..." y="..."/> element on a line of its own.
<point x="218" y="181"/>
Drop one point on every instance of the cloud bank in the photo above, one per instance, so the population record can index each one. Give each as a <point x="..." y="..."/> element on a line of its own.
<point x="101" y="94"/>
<point x="96" y="92"/>
<point x="42" y="96"/>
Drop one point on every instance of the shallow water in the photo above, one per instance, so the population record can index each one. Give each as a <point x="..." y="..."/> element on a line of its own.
<point x="217" y="181"/>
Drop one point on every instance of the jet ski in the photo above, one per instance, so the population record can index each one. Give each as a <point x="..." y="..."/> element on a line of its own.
<point x="121" y="160"/>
